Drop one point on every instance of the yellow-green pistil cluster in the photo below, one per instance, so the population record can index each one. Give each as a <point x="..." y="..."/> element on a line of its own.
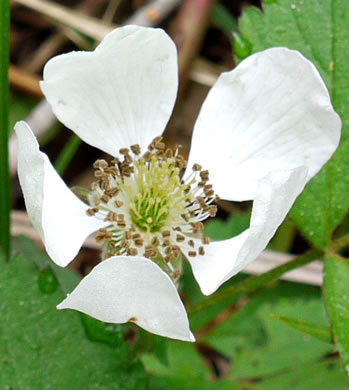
<point x="151" y="210"/>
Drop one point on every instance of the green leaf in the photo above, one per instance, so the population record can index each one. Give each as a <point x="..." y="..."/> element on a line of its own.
<point x="102" y="332"/>
<point x="160" y="349"/>
<point x="258" y="345"/>
<point x="43" y="348"/>
<point x="311" y="376"/>
<point x="178" y="365"/>
<point x="320" y="332"/>
<point x="319" y="29"/>
<point x="217" y="229"/>
<point x="67" y="279"/>
<point x="152" y="344"/>
<point x="284" y="237"/>
<point x="171" y="383"/>
<point x="336" y="291"/>
<point x="5" y="184"/>
<point x="186" y="370"/>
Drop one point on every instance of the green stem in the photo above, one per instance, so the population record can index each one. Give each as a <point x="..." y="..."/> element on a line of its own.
<point x="224" y="20"/>
<point x="340" y="243"/>
<point x="5" y="184"/>
<point x="254" y="283"/>
<point x="67" y="154"/>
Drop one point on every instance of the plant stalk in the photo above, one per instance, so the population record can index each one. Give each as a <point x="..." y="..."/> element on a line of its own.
<point x="5" y="184"/>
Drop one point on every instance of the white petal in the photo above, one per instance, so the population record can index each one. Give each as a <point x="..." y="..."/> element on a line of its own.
<point x="121" y="94"/>
<point x="58" y="215"/>
<point x="271" y="112"/>
<point x="223" y="259"/>
<point x="135" y="289"/>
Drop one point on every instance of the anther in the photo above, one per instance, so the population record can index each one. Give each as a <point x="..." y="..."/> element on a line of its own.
<point x="132" y="252"/>
<point x="150" y="252"/>
<point x="147" y="156"/>
<point x="201" y="250"/>
<point x="136" y="149"/>
<point x="127" y="235"/>
<point x="90" y="212"/>
<point x="180" y="238"/>
<point x="105" y="198"/>
<point x="99" y="174"/>
<point x="167" y="259"/>
<point x="118" y="203"/>
<point x="198" y="227"/>
<point x="180" y="162"/>
<point x="128" y="159"/>
<point x="155" y="241"/>
<point x="197" y="167"/>
<point x="124" y="151"/>
<point x="192" y="253"/>
<point x="124" y="243"/>
<point x="166" y="242"/>
<point x="112" y="192"/>
<point x="206" y="240"/>
<point x="212" y="211"/>
<point x="169" y="153"/>
<point x="111" y="216"/>
<point x="100" y="164"/>
<point x="112" y="170"/>
<point x="139" y="242"/>
<point x="209" y="193"/>
<point x="105" y="183"/>
<point x="204" y="175"/>
<point x="115" y="161"/>
<point x="176" y="274"/>
<point x="160" y="146"/>
<point x="103" y="235"/>
<point x="176" y="250"/>
<point x="185" y="217"/>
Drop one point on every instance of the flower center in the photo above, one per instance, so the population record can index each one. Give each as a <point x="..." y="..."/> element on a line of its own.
<point x="159" y="190"/>
<point x="152" y="211"/>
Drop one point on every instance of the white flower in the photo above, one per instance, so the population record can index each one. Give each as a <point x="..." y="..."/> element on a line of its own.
<point x="264" y="130"/>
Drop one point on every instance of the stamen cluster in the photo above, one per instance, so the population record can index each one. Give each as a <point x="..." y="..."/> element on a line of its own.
<point x="152" y="211"/>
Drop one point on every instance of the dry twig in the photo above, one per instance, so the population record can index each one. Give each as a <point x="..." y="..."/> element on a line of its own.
<point x="267" y="260"/>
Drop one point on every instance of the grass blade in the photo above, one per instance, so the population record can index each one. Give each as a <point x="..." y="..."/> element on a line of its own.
<point x="67" y="154"/>
<point x="5" y="189"/>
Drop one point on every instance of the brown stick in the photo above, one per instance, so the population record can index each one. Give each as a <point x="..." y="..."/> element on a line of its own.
<point x="53" y="44"/>
<point x="221" y="317"/>
<point x="25" y="81"/>
<point x="188" y="32"/>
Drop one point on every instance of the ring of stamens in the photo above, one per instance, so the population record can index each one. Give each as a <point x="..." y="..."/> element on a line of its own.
<point x="152" y="211"/>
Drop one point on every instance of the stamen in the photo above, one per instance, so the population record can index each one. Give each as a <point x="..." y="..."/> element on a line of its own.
<point x="152" y="211"/>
